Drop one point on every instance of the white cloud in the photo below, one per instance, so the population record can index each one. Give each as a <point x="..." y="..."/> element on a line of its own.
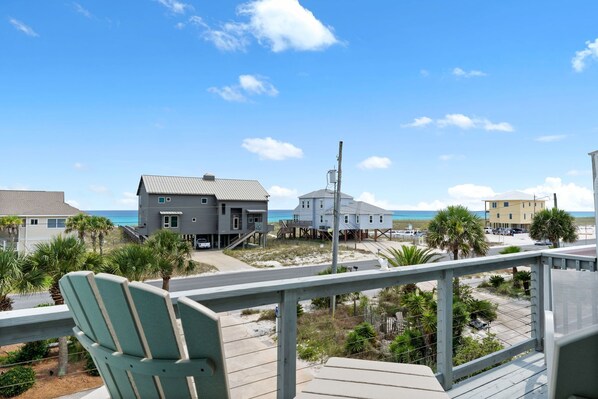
<point x="285" y="24"/>
<point x="375" y="162"/>
<point x="459" y="120"/>
<point x="418" y="122"/>
<point x="82" y="10"/>
<point x="463" y="122"/>
<point x="175" y="7"/>
<point x="570" y="196"/>
<point x="464" y="74"/>
<point x="248" y="85"/>
<point x="550" y="139"/>
<point x="128" y="199"/>
<point x="79" y="166"/>
<point x="424" y="73"/>
<point x="20" y="26"/>
<point x="229" y="93"/>
<point x="180" y="25"/>
<point x="282" y="192"/>
<point x="255" y="85"/>
<point x="99" y="189"/>
<point x="268" y="148"/>
<point x="450" y="157"/>
<point x="278" y="24"/>
<point x="575" y="172"/>
<point x="579" y="60"/>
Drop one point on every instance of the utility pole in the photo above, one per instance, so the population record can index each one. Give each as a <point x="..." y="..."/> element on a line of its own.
<point x="336" y="223"/>
<point x="555" y="205"/>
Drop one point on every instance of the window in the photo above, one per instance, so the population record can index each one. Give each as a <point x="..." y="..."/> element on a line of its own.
<point x="346" y="218"/>
<point x="381" y="219"/>
<point x="204" y="201"/>
<point x="167" y="199"/>
<point x="523" y="204"/>
<point x="308" y="204"/>
<point x="250" y="220"/>
<point x="56" y="223"/>
<point x="171" y="222"/>
<point x="321" y="204"/>
<point x="224" y="209"/>
<point x="295" y="218"/>
<point x="161" y="200"/>
<point x="357" y="218"/>
<point x="494" y="205"/>
<point x="371" y="219"/>
<point x="524" y="216"/>
<point x="510" y="216"/>
<point x="321" y="218"/>
<point x="235" y="222"/>
<point x="302" y="204"/>
<point x="529" y="204"/>
<point x="33" y="222"/>
<point x="194" y="220"/>
<point x="498" y="215"/>
<point x="505" y="204"/>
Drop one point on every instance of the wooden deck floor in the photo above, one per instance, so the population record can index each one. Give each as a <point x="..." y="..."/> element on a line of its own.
<point x="522" y="378"/>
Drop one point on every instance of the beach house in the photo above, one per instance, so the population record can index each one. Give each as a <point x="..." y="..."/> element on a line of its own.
<point x="43" y="216"/>
<point x="513" y="209"/>
<point x="221" y="211"/>
<point x="314" y="216"/>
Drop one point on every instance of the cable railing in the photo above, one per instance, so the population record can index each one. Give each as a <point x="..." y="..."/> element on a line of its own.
<point x="518" y="327"/>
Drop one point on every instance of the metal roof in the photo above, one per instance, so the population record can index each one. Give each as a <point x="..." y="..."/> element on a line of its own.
<point x="324" y="193"/>
<point x="360" y="208"/>
<point x="34" y="203"/>
<point x="514" y="196"/>
<point x="223" y="189"/>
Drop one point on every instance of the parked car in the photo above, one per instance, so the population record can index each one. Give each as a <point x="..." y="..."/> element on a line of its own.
<point x="202" y="243"/>
<point x="488" y="230"/>
<point x="543" y="242"/>
<point x="517" y="231"/>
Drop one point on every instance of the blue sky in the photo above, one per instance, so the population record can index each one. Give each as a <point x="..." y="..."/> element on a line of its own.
<point x="437" y="103"/>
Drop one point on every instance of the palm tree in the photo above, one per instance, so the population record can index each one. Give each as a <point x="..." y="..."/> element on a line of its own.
<point x="457" y="231"/>
<point x="133" y="261"/>
<point x="410" y="255"/>
<point x="554" y="224"/>
<point x="56" y="258"/>
<point x="17" y="275"/>
<point x="11" y="225"/>
<point x="104" y="226"/>
<point x="78" y="223"/>
<point x="172" y="254"/>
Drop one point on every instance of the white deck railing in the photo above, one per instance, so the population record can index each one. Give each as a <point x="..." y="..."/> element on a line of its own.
<point x="48" y="322"/>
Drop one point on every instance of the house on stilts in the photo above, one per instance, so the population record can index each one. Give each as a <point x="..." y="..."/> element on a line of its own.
<point x="314" y="218"/>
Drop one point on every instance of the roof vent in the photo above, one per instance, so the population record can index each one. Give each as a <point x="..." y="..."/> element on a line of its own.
<point x="209" y="177"/>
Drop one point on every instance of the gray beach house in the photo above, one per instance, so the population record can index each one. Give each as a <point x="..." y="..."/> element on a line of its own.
<point x="225" y="212"/>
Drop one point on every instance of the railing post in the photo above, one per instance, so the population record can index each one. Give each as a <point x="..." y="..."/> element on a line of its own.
<point x="444" y="346"/>
<point x="287" y="346"/>
<point x="538" y="303"/>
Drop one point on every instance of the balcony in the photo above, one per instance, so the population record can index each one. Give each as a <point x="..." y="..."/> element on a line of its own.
<point x="270" y="368"/>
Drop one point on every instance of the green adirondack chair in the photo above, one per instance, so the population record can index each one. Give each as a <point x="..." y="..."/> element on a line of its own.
<point x="132" y="334"/>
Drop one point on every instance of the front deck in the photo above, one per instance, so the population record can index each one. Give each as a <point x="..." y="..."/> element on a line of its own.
<point x="272" y="369"/>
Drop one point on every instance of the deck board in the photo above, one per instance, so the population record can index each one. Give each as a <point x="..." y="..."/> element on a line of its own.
<point x="523" y="378"/>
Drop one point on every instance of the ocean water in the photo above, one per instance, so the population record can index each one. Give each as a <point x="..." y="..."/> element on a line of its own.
<point x="129" y="218"/>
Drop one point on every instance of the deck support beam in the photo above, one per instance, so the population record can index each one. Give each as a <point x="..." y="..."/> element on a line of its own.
<point x="445" y="328"/>
<point x="287" y="346"/>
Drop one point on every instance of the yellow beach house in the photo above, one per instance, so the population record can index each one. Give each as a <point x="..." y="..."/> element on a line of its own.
<point x="513" y="209"/>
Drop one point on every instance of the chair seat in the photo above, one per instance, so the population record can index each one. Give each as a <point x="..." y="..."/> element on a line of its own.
<point x="365" y="379"/>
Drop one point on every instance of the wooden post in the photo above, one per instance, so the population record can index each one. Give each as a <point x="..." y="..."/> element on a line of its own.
<point x="445" y="328"/>
<point x="287" y="346"/>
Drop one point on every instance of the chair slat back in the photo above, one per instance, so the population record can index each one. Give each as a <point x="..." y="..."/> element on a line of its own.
<point x="82" y="297"/>
<point x="204" y="339"/>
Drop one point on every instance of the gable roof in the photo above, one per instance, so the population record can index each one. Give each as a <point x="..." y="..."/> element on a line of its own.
<point x="35" y="203"/>
<point x="223" y="189"/>
<point x="361" y="208"/>
<point x="514" y="196"/>
<point x="324" y="193"/>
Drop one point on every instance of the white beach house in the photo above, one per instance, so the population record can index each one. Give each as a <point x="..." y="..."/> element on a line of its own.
<point x="43" y="215"/>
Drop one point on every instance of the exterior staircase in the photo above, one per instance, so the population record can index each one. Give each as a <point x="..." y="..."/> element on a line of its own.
<point x="241" y="240"/>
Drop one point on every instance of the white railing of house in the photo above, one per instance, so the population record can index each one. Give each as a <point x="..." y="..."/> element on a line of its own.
<point x="48" y="322"/>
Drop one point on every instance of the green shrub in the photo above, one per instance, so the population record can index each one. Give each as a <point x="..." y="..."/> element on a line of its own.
<point x="249" y="312"/>
<point x="268" y="314"/>
<point x="16" y="381"/>
<point x="90" y="366"/>
<point x="482" y="308"/>
<point x="496" y="280"/>
<point x="324" y="302"/>
<point x="30" y="351"/>
<point x="406" y="347"/>
<point x="307" y="352"/>
<point x="361" y="339"/>
<point x="471" y="349"/>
